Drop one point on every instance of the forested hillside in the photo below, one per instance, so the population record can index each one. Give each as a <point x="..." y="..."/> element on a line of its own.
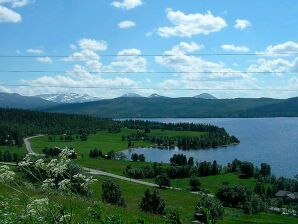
<point x="174" y="107"/>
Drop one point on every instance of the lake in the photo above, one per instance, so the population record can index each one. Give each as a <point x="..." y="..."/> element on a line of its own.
<point x="270" y="140"/>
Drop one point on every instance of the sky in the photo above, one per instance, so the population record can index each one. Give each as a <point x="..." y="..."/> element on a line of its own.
<point x="177" y="48"/>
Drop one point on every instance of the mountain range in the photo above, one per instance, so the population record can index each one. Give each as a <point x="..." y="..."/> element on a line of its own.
<point x="132" y="106"/>
<point x="68" y="98"/>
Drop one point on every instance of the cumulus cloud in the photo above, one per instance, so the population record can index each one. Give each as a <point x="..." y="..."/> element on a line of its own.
<point x="242" y="24"/>
<point x="9" y="16"/>
<point x="277" y="66"/>
<point x="233" y="48"/>
<point x="93" y="45"/>
<point x="127" y="4"/>
<point x="89" y="72"/>
<point x="187" y="25"/>
<point x="34" y="51"/>
<point x="195" y="68"/>
<point x="128" y="60"/>
<point x="45" y="60"/>
<point x="88" y="50"/>
<point x="16" y="3"/>
<point x="126" y="24"/>
<point x="286" y="47"/>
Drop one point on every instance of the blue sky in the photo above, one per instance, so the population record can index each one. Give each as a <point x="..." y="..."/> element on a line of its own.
<point x="85" y="32"/>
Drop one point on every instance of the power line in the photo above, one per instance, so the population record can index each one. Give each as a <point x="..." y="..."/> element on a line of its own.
<point x="148" y="72"/>
<point x="148" y="88"/>
<point x="151" y="55"/>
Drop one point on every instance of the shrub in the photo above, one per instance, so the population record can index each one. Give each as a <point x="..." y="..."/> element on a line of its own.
<point x="234" y="196"/>
<point x="111" y="193"/>
<point x="208" y="210"/>
<point x="163" y="181"/>
<point x="134" y="157"/>
<point x="152" y="203"/>
<point x="247" y="169"/>
<point x="142" y="158"/>
<point x="178" y="159"/>
<point x="265" y="170"/>
<point x="173" y="217"/>
<point x="255" y="205"/>
<point x="194" y="183"/>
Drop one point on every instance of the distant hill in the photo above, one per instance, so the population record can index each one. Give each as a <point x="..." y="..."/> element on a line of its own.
<point x="130" y="95"/>
<point x="14" y="100"/>
<point x="68" y="98"/>
<point x="205" y="96"/>
<point x="155" y="95"/>
<point x="187" y="107"/>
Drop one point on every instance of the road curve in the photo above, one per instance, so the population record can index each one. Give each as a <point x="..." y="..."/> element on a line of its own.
<point x="91" y="171"/>
<point x="102" y="173"/>
<point x="28" y="144"/>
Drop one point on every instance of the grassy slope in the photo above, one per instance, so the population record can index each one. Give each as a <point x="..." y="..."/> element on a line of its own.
<point x="13" y="149"/>
<point x="183" y="201"/>
<point x="104" y="141"/>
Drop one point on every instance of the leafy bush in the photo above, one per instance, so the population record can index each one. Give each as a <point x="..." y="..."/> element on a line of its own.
<point x="111" y="193"/>
<point x="208" y="210"/>
<point x="173" y="217"/>
<point x="152" y="202"/>
<point x="255" y="205"/>
<point x="234" y="196"/>
<point x="247" y="169"/>
<point x="194" y="183"/>
<point x="179" y="160"/>
<point x="163" y="181"/>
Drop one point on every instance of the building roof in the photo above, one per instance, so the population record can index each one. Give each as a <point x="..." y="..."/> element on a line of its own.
<point x="288" y="194"/>
<point x="282" y="193"/>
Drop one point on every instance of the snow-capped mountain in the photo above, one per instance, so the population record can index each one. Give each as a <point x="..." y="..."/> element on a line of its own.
<point x="68" y="98"/>
<point x="131" y="95"/>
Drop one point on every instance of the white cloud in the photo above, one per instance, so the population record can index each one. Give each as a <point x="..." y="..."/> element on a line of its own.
<point x="126" y="24"/>
<point x="9" y="16"/>
<point x="34" y="51"/>
<point x="73" y="47"/>
<point x="45" y="60"/>
<point x="127" y="4"/>
<point x="286" y="47"/>
<point x="93" y="45"/>
<point x="16" y="3"/>
<point x="242" y="24"/>
<point x="187" y="25"/>
<point x="277" y="66"/>
<point x="231" y="47"/>
<point x="130" y="63"/>
<point x="194" y="68"/>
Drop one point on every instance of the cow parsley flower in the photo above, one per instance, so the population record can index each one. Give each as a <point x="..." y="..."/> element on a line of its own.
<point x="65" y="185"/>
<point x="6" y="175"/>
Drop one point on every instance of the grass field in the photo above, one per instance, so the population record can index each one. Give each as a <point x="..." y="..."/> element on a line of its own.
<point x="182" y="201"/>
<point x="13" y="149"/>
<point x="104" y="141"/>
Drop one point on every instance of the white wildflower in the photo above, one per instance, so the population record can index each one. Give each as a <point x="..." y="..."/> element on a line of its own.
<point x="40" y="164"/>
<point x="6" y="175"/>
<point x="38" y="209"/>
<point x="48" y="184"/>
<point x="65" y="185"/>
<point x="66" y="153"/>
<point x="65" y="218"/>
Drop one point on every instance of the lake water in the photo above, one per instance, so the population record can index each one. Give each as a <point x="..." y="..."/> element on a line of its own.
<point x="270" y="140"/>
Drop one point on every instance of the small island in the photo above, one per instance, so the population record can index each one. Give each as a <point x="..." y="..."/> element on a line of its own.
<point x="185" y="136"/>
